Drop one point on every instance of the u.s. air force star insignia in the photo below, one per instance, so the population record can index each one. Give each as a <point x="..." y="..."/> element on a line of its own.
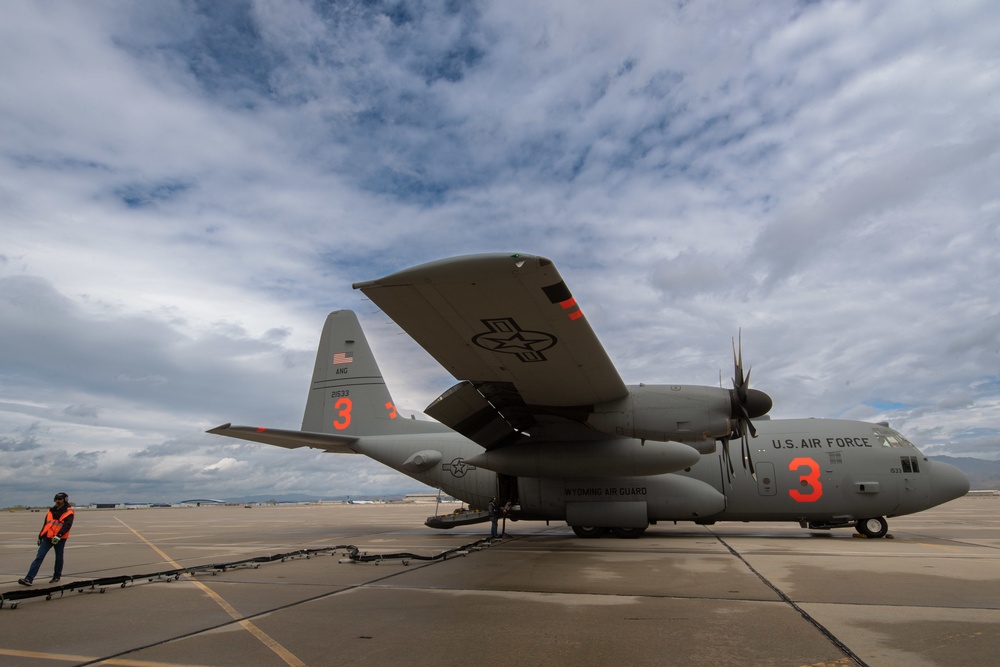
<point x="506" y="336"/>
<point x="458" y="467"/>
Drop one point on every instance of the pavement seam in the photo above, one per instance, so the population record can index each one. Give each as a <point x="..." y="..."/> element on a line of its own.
<point x="274" y="646"/>
<point x="802" y="612"/>
<point x="194" y="633"/>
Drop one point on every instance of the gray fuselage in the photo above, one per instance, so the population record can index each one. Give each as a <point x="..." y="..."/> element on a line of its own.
<point x="816" y="471"/>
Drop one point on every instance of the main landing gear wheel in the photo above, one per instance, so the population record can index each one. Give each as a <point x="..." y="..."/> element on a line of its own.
<point x="628" y="533"/>
<point x="873" y="528"/>
<point x="587" y="531"/>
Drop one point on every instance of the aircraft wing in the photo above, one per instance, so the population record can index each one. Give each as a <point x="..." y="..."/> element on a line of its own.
<point x="506" y="323"/>
<point x="337" y="444"/>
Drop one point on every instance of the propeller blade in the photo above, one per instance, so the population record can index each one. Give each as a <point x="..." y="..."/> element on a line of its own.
<point x="728" y="459"/>
<point x="748" y="460"/>
<point x="747" y="404"/>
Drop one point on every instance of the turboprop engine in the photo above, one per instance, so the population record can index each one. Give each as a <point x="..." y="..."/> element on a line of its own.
<point x="696" y="415"/>
<point x="681" y="413"/>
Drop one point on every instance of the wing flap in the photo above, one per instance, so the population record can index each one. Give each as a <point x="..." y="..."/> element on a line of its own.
<point x="336" y="444"/>
<point x="502" y="319"/>
<point x="465" y="410"/>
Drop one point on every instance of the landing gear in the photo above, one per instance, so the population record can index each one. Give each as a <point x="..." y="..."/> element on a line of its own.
<point x="872" y="528"/>
<point x="587" y="531"/>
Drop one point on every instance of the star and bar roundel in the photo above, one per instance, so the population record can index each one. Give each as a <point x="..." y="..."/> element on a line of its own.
<point x="506" y="336"/>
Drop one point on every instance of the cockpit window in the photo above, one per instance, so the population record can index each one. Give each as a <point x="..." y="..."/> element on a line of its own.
<point x="890" y="438"/>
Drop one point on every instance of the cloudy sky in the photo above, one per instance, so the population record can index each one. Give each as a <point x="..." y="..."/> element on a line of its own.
<point x="187" y="188"/>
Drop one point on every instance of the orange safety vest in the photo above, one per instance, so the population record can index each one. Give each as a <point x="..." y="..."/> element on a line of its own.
<point x="53" y="526"/>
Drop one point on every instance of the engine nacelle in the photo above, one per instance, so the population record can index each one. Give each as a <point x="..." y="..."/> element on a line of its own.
<point x="683" y="413"/>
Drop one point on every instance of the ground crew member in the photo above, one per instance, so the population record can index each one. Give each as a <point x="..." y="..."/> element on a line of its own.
<point x="55" y="530"/>
<point x="495" y="512"/>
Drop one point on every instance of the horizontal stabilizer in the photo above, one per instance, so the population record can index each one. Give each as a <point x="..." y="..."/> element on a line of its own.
<point x="336" y="444"/>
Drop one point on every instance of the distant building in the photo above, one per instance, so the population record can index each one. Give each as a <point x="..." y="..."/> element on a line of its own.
<point x="198" y="502"/>
<point x="426" y="498"/>
<point x="124" y="506"/>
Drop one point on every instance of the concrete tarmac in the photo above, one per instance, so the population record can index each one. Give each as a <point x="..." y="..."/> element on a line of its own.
<point x="729" y="594"/>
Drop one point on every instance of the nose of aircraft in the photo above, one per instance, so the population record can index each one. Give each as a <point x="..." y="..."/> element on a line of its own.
<point x="947" y="483"/>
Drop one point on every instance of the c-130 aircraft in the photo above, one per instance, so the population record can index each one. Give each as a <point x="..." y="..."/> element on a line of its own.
<point x="541" y="419"/>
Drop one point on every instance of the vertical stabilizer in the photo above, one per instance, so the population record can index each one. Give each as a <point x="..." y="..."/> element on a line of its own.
<point x="348" y="395"/>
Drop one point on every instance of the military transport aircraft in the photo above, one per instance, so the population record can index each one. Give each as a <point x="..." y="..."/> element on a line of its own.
<point x="541" y="419"/>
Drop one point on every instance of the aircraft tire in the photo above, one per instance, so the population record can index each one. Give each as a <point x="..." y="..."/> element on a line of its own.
<point x="587" y="531"/>
<point x="873" y="528"/>
<point x="628" y="533"/>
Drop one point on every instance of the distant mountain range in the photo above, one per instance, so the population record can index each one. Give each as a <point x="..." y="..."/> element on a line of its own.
<point x="982" y="474"/>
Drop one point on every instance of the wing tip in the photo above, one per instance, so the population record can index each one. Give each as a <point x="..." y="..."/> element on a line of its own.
<point x="460" y="266"/>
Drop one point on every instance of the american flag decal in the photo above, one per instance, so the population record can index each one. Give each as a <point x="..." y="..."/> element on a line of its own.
<point x="343" y="358"/>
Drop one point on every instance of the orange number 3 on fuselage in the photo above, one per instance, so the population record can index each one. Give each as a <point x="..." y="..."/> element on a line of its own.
<point x="811" y="479"/>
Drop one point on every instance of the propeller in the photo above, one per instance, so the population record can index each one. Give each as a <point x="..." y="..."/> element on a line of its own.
<point x="747" y="404"/>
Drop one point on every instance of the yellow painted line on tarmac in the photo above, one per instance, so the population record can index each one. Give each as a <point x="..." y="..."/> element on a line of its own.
<point x="77" y="659"/>
<point x="261" y="636"/>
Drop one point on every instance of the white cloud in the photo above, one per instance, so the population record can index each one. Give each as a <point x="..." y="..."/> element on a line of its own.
<point x="187" y="188"/>
<point x="227" y="464"/>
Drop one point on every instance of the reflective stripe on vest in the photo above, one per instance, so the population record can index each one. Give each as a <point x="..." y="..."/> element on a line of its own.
<point x="53" y="526"/>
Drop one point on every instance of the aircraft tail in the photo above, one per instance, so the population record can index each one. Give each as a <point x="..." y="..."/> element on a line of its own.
<point x="347" y="400"/>
<point x="348" y="396"/>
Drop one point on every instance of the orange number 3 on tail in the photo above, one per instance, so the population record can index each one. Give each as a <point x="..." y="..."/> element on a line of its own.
<point x="343" y="419"/>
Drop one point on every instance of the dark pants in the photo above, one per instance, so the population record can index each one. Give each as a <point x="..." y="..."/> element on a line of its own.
<point x="493" y="528"/>
<point x="43" y="549"/>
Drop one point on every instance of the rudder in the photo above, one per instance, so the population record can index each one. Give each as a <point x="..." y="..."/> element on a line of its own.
<point x="348" y="395"/>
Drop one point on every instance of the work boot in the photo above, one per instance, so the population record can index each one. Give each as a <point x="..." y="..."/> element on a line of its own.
<point x="24" y="582"/>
